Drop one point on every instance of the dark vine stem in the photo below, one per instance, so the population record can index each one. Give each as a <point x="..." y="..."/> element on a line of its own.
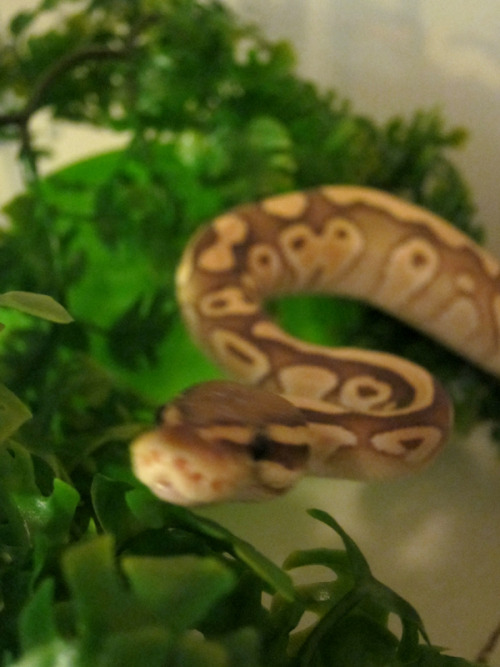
<point x="21" y="119"/>
<point x="29" y="157"/>
<point x="490" y="645"/>
<point x="49" y="77"/>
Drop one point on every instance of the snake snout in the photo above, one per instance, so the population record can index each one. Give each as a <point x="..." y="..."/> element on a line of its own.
<point x="180" y="468"/>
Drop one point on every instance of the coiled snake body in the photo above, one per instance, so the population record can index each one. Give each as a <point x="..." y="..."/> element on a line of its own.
<point x="314" y="410"/>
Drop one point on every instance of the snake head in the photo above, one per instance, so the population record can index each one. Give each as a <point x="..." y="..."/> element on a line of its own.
<point x="221" y="441"/>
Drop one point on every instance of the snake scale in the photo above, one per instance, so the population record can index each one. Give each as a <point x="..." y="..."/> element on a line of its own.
<point x="302" y="408"/>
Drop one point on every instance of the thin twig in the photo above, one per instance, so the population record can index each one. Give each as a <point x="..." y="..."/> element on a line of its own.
<point x="67" y="62"/>
<point x="491" y="643"/>
<point x="21" y="118"/>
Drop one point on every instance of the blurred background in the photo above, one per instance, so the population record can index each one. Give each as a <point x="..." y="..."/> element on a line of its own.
<point x="435" y="538"/>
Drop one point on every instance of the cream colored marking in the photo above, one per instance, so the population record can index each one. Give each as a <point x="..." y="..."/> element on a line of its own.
<point x="288" y="435"/>
<point x="410" y="268"/>
<point x="217" y="258"/>
<point x="307" y="380"/>
<point x="290" y="205"/>
<point x="490" y="263"/>
<point x="365" y="393"/>
<point x="416" y="377"/>
<point x="407" y="265"/>
<point x="172" y="416"/>
<point x="264" y="263"/>
<point x="321" y="257"/>
<point x="231" y="230"/>
<point x="495" y="306"/>
<point x="331" y="437"/>
<point x="460" y="320"/>
<point x="399" y="209"/>
<point x="304" y="403"/>
<point x="242" y="358"/>
<point x="393" y="442"/>
<point x="275" y="476"/>
<point x="240" y="435"/>
<point x="343" y="245"/>
<point x="184" y="272"/>
<point x="466" y="283"/>
<point x="227" y="301"/>
<point x="300" y="246"/>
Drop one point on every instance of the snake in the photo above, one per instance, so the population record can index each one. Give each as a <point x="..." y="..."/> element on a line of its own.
<point x="290" y="408"/>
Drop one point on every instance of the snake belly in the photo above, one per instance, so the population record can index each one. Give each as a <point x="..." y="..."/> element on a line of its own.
<point x="307" y="409"/>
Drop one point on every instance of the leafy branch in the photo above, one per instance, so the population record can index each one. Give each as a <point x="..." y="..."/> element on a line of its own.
<point x="55" y="71"/>
<point x="22" y="117"/>
<point x="212" y="115"/>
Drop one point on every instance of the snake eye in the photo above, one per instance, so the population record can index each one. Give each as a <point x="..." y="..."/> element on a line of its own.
<point x="291" y="457"/>
<point x="261" y="448"/>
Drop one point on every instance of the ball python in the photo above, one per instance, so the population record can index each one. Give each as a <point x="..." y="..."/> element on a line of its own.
<point x="307" y="409"/>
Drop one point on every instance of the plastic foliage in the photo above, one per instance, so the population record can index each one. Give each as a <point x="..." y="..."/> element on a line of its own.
<point x="208" y="114"/>
<point x="152" y="583"/>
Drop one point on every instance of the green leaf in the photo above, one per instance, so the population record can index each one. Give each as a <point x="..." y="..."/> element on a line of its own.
<point x="265" y="569"/>
<point x="103" y="605"/>
<point x="47" y="520"/>
<point x="193" y="651"/>
<point x="366" y="594"/>
<point x="33" y="530"/>
<point x="17" y="479"/>
<point x="104" y="235"/>
<point x="360" y="568"/>
<point x="38" y="626"/>
<point x="111" y="508"/>
<point x="321" y="595"/>
<point x="20" y="22"/>
<point x="50" y="515"/>
<point x="39" y="305"/>
<point x="180" y="590"/>
<point x="57" y="652"/>
<point x="151" y="646"/>
<point x="359" y="641"/>
<point x="145" y="605"/>
<point x="13" y="413"/>
<point x="267" y="134"/>
<point x="240" y="649"/>
<point x="262" y="566"/>
<point x="333" y="559"/>
<point x="243" y="648"/>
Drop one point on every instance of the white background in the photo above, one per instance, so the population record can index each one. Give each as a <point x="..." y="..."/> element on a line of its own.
<point x="434" y="538"/>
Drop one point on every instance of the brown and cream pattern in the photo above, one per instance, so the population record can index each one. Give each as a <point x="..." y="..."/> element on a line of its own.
<point x="313" y="410"/>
